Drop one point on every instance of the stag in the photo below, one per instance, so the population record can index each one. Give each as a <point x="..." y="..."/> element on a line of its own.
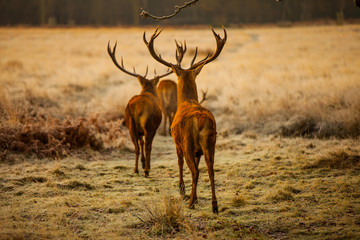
<point x="167" y="92"/>
<point x="142" y="113"/>
<point x="168" y="97"/>
<point x="193" y="128"/>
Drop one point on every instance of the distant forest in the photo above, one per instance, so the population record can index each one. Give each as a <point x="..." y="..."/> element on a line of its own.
<point x="126" y="12"/>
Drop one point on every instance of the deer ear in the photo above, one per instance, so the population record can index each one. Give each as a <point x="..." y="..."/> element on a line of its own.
<point x="197" y="70"/>
<point x="156" y="80"/>
<point x="141" y="80"/>
<point x="175" y="69"/>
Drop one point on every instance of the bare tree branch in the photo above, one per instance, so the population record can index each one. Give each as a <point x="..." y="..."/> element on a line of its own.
<point x="145" y="14"/>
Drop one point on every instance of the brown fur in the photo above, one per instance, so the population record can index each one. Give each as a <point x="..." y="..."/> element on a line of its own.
<point x="168" y="96"/>
<point x="143" y="117"/>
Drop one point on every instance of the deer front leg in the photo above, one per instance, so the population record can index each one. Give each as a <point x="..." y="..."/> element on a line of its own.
<point x="209" y="159"/>
<point x="195" y="178"/>
<point x="148" y="142"/>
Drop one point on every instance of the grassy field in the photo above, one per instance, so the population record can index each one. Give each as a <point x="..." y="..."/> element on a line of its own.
<point x="287" y="163"/>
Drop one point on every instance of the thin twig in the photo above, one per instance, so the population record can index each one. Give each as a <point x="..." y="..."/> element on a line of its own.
<point x="357" y="3"/>
<point x="145" y="14"/>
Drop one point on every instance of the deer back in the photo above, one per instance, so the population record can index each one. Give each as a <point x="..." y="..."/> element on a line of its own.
<point x="143" y="110"/>
<point x="167" y="92"/>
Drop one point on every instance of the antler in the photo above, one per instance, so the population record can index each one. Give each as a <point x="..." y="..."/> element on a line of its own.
<point x="180" y="52"/>
<point x="165" y="74"/>
<point x="150" y="46"/>
<point x="220" y="42"/>
<point x="121" y="67"/>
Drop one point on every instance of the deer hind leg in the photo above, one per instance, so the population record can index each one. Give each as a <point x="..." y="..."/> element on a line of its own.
<point x="209" y="153"/>
<point x="164" y="129"/>
<point x="191" y="162"/>
<point x="181" y="167"/>
<point x="148" y="142"/>
<point x="134" y="139"/>
<point x="141" y="141"/>
<point x="136" y="145"/>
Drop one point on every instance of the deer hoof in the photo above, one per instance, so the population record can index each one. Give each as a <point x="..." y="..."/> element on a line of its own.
<point x="143" y="163"/>
<point x="185" y="197"/>
<point x="136" y="171"/>
<point x="146" y="174"/>
<point x="215" y="207"/>
<point x="191" y="206"/>
<point x="182" y="189"/>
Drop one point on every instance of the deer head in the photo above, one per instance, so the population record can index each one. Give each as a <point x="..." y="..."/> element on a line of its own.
<point x="186" y="77"/>
<point x="147" y="85"/>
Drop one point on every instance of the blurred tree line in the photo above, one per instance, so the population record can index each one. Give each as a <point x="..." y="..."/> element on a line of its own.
<point x="126" y="12"/>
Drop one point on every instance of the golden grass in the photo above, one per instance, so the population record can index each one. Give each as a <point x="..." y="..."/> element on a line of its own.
<point x="267" y="193"/>
<point x="267" y="83"/>
<point x="300" y="81"/>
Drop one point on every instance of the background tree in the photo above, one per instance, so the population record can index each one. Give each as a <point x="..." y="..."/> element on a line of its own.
<point x="214" y="12"/>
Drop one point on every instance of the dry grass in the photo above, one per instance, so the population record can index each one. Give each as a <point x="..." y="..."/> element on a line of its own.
<point x="299" y="82"/>
<point x="264" y="189"/>
<point x="339" y="159"/>
<point x="163" y="216"/>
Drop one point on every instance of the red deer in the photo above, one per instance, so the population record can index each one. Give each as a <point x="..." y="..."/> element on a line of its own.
<point x="168" y="97"/>
<point x="193" y="128"/>
<point x="142" y="114"/>
<point x="168" y="94"/>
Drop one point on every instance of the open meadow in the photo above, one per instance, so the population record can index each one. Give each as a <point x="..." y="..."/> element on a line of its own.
<point x="287" y="163"/>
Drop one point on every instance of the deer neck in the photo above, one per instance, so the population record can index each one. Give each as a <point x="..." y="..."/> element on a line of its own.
<point x="151" y="91"/>
<point x="186" y="90"/>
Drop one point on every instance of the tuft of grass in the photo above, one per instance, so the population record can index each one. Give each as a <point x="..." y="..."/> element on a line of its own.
<point x="238" y="201"/>
<point x="280" y="195"/>
<point x="116" y="210"/>
<point x="77" y="185"/>
<point x="80" y="167"/>
<point x="299" y="127"/>
<point x="59" y="173"/>
<point x="339" y="159"/>
<point x="120" y="167"/>
<point x="292" y="189"/>
<point x="163" y="217"/>
<point x="31" y="179"/>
